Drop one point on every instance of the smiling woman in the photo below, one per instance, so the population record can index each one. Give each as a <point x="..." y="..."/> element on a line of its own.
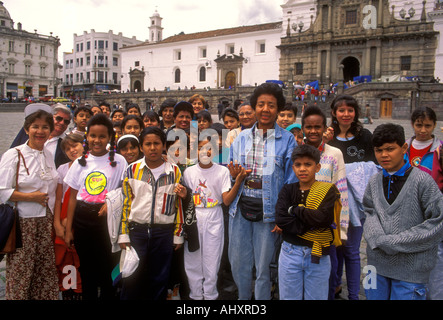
<point x="35" y="196"/>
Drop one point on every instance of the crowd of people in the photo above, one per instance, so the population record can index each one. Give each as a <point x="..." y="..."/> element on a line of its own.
<point x="205" y="206"/>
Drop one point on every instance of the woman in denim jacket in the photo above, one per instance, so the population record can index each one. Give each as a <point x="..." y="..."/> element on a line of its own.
<point x="265" y="152"/>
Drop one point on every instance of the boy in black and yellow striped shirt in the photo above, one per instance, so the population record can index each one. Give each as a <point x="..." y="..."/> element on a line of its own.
<point x="307" y="212"/>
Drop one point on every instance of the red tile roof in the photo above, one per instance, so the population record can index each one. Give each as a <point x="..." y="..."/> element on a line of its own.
<point x="213" y="33"/>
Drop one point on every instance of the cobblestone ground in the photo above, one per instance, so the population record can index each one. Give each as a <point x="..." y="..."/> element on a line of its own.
<point x="10" y="124"/>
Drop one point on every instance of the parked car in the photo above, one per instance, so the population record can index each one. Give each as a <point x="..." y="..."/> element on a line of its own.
<point x="60" y="99"/>
<point x="46" y="98"/>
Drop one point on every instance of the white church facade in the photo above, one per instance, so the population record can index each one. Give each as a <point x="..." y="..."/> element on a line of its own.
<point x="224" y="58"/>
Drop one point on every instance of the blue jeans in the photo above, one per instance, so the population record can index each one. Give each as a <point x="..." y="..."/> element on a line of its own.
<point x="251" y="243"/>
<point x="349" y="255"/>
<point x="299" y="278"/>
<point x="154" y="248"/>
<point x="391" y="289"/>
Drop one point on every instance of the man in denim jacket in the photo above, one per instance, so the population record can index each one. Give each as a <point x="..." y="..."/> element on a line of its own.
<point x="265" y="152"/>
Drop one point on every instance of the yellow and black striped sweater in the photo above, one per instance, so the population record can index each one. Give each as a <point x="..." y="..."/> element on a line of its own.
<point x="309" y="218"/>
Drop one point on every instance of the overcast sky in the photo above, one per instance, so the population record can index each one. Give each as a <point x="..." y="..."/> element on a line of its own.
<point x="131" y="17"/>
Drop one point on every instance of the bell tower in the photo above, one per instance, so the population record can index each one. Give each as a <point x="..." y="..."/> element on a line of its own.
<point x="155" y="28"/>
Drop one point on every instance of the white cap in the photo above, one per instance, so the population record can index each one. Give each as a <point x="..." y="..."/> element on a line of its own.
<point x="34" y="107"/>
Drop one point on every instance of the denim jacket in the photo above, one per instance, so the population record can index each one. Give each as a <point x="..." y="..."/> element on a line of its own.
<point x="277" y="169"/>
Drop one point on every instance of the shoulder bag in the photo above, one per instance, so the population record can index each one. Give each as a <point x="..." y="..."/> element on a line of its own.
<point x="10" y="235"/>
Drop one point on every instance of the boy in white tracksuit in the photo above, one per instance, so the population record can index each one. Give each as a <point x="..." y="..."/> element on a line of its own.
<point x="210" y="184"/>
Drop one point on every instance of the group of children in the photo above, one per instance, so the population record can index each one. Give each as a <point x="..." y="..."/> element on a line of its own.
<point x="402" y="224"/>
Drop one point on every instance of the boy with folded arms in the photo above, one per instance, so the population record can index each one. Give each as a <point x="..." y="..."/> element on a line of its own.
<point x="404" y="221"/>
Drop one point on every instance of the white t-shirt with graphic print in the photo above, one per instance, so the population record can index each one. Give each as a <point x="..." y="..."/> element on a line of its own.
<point x="97" y="178"/>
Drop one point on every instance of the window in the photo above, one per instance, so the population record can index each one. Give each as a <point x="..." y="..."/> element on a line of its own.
<point x="299" y="68"/>
<point x="101" y="61"/>
<point x="77" y="62"/>
<point x="115" y="77"/>
<point x="230" y="49"/>
<point x="261" y="47"/>
<point x="351" y="17"/>
<point x="81" y="47"/>
<point x="115" y="46"/>
<point x="177" y="76"/>
<point x="11" y="46"/>
<point x="27" y="48"/>
<point x="78" y="47"/>
<point x="101" y="44"/>
<point x="88" y="60"/>
<point x="81" y="62"/>
<point x="177" y="55"/>
<point x="405" y="63"/>
<point x="100" y="77"/>
<point x="27" y="69"/>
<point x="202" y="52"/>
<point x="42" y="90"/>
<point x="88" y="77"/>
<point x="67" y="64"/>
<point x="88" y="45"/>
<point x="202" y="74"/>
<point x="42" y="51"/>
<point x="137" y="63"/>
<point x="115" y="62"/>
<point x="43" y="70"/>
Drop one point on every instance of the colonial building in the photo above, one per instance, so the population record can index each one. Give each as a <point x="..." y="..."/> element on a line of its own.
<point x="28" y="60"/>
<point x="94" y="64"/>
<point x="376" y="38"/>
<point x="226" y="58"/>
<point x="436" y="15"/>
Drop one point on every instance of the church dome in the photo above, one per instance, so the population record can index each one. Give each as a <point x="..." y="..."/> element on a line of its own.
<point x="5" y="18"/>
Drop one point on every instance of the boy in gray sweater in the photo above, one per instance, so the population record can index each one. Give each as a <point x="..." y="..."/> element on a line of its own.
<point x="404" y="222"/>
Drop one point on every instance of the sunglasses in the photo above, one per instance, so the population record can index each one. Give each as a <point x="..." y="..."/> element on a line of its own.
<point x="60" y="119"/>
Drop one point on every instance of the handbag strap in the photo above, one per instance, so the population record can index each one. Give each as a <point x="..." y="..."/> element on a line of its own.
<point x="19" y="154"/>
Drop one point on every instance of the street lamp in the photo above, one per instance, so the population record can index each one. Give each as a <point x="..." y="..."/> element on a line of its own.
<point x="298" y="27"/>
<point x="402" y="13"/>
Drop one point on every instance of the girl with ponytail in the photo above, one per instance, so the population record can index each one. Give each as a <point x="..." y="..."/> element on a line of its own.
<point x="90" y="178"/>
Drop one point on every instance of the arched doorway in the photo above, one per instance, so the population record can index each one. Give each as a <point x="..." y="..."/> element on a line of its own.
<point x="137" y="86"/>
<point x="351" y="68"/>
<point x="230" y="80"/>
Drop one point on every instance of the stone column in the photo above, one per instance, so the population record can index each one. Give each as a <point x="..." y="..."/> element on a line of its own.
<point x="380" y="14"/>
<point x="328" y="65"/>
<point x="329" y="17"/>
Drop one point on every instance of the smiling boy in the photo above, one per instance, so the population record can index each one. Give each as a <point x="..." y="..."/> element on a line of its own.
<point x="404" y="221"/>
<point x="287" y="116"/>
<point x="152" y="217"/>
<point x="332" y="170"/>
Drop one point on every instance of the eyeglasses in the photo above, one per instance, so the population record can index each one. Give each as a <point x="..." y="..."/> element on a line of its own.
<point x="245" y="114"/>
<point x="60" y="119"/>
